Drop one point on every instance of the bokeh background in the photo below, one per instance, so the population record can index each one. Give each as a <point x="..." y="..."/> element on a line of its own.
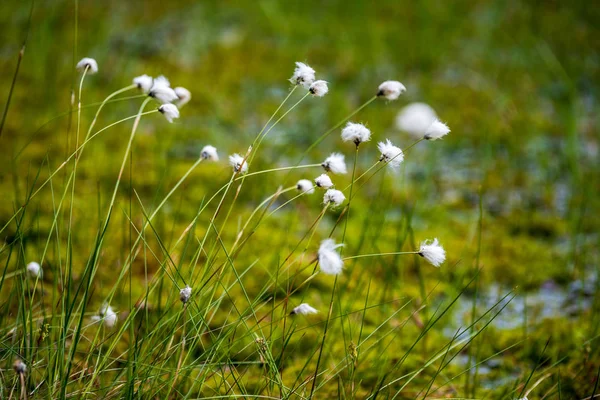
<point x="517" y="82"/>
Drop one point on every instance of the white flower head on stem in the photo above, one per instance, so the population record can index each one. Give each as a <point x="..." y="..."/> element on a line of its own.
<point x="390" y="154"/>
<point x="238" y="163"/>
<point x="161" y="91"/>
<point x="335" y="163"/>
<point x="433" y="252"/>
<point x="87" y="63"/>
<point x="183" y="95"/>
<point x="209" y="153"/>
<point x="143" y="82"/>
<point x="19" y="366"/>
<point x="305" y="186"/>
<point x="436" y="130"/>
<point x="303" y="75"/>
<point x="185" y="294"/>
<point x="391" y="90"/>
<point x="356" y="133"/>
<point x="323" y="181"/>
<point x="415" y="118"/>
<point x="333" y="197"/>
<point x="107" y="315"/>
<point x="170" y="111"/>
<point x="304" y="309"/>
<point x="318" y="88"/>
<point x="34" y="269"/>
<point x="330" y="261"/>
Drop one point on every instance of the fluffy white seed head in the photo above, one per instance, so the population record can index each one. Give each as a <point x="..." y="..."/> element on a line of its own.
<point x="391" y="90"/>
<point x="183" y="96"/>
<point x="238" y="163"/>
<point x="335" y="163"/>
<point x="356" y="133"/>
<point x="161" y="91"/>
<point x="319" y="88"/>
<point x="143" y="82"/>
<point x="436" y="130"/>
<point x="303" y="75"/>
<point x="34" y="269"/>
<point x="333" y="197"/>
<point x="304" y="309"/>
<point x="87" y="63"/>
<point x="390" y="154"/>
<point x="433" y="252"/>
<point x="185" y="294"/>
<point x="209" y="153"/>
<point x="305" y="186"/>
<point x="330" y="261"/>
<point x="415" y="118"/>
<point x="107" y="315"/>
<point x="323" y="181"/>
<point x="19" y="366"/>
<point x="170" y="111"/>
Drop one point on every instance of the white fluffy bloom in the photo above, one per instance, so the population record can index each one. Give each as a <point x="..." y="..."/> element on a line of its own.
<point x="236" y="162"/>
<point x="335" y="163"/>
<point x="390" y="154"/>
<point x="170" y="111"/>
<point x="183" y="95"/>
<point x="319" y="88"/>
<point x="107" y="315"/>
<point x="161" y="91"/>
<point x="433" y="252"/>
<point x="89" y="63"/>
<point x="34" y="269"/>
<point x="143" y="82"/>
<point x="330" y="261"/>
<point x="415" y="118"/>
<point x="19" y="366"/>
<point x="305" y="186"/>
<point x="304" y="309"/>
<point x="356" y="133"/>
<point x="323" y="181"/>
<point x="303" y="75"/>
<point x="185" y="294"/>
<point x="333" y="197"/>
<point x="209" y="153"/>
<point x="391" y="90"/>
<point x="436" y="130"/>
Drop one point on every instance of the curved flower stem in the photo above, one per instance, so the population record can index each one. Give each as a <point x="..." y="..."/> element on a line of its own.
<point x="380" y="254"/>
<point x="273" y="115"/>
<point x="275" y="170"/>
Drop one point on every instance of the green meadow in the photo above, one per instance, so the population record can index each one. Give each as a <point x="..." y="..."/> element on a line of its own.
<point x="121" y="210"/>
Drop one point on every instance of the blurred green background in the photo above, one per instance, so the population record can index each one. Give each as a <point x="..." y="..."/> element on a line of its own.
<point x="517" y="82"/>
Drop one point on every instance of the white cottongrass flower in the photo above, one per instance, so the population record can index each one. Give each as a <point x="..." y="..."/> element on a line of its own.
<point x="330" y="261"/>
<point x="87" y="63"/>
<point x="170" y="111"/>
<point x="335" y="163"/>
<point x="209" y="153"/>
<point x="303" y="75"/>
<point x="34" y="269"/>
<point x="304" y="309"/>
<point x="19" y="366"/>
<point x="143" y="82"/>
<point x="305" y="186"/>
<point x="323" y="181"/>
<point x="436" y="130"/>
<point x="333" y="197"/>
<point x="161" y="91"/>
<point x="415" y="118"/>
<point x="183" y="95"/>
<point x="356" y="133"/>
<point x="107" y="315"/>
<point x="185" y="294"/>
<point x="433" y="252"/>
<point x="391" y="90"/>
<point x="238" y="163"/>
<point x="390" y="154"/>
<point x="318" y="88"/>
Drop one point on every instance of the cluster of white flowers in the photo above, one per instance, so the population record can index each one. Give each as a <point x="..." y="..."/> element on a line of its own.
<point x="107" y="315"/>
<point x="238" y="163"/>
<point x="34" y="269"/>
<point x="209" y="153"/>
<point x="304" y="309"/>
<point x="305" y="186"/>
<point x="356" y="133"/>
<point x="433" y="252"/>
<point x="87" y="64"/>
<point x="185" y="294"/>
<point x="335" y="163"/>
<point x="330" y="261"/>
